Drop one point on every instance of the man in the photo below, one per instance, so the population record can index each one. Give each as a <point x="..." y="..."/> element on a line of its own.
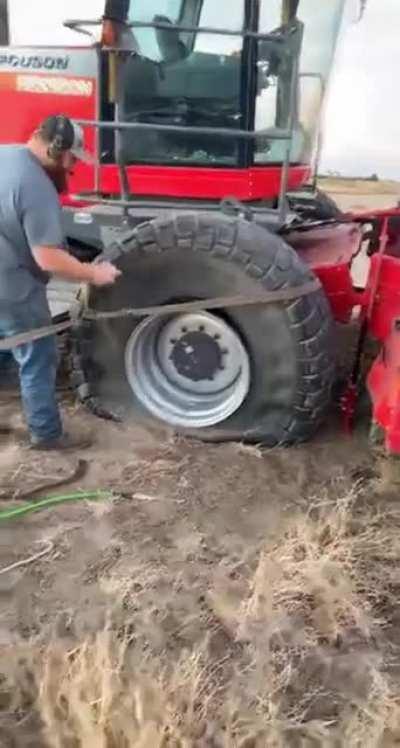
<point x="31" y="250"/>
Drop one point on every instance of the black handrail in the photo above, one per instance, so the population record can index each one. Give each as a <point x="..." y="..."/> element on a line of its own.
<point x="272" y="133"/>
<point x="75" y="23"/>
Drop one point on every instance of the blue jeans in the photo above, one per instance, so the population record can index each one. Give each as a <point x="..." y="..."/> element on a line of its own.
<point x="37" y="364"/>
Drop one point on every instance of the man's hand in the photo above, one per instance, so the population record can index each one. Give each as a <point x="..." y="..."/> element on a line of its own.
<point x="104" y="274"/>
<point x="56" y="261"/>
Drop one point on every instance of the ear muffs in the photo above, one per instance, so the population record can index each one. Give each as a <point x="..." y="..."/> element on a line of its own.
<point x="55" y="149"/>
<point x="62" y="140"/>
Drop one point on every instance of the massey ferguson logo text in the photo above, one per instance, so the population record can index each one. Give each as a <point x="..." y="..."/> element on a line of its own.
<point x="34" y="62"/>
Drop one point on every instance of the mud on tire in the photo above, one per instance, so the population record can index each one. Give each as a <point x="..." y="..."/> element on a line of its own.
<point x="203" y="256"/>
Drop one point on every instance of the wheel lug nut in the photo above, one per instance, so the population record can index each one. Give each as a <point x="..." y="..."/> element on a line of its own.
<point x="201" y="328"/>
<point x="217" y="337"/>
<point x="173" y="341"/>
<point x="184" y="329"/>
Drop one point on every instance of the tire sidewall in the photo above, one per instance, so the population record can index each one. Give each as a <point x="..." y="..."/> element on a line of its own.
<point x="273" y="335"/>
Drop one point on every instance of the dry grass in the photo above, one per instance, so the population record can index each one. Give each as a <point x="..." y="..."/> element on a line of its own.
<point x="337" y="186"/>
<point x="310" y="647"/>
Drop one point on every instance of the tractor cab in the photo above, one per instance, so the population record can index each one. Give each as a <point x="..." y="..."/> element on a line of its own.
<point x="212" y="98"/>
<point x="193" y="66"/>
<point x="192" y="99"/>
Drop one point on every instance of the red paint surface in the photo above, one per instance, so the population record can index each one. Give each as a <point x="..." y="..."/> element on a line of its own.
<point x="203" y="182"/>
<point x="25" y="111"/>
<point x="338" y="286"/>
<point x="22" y="112"/>
<point x="386" y="305"/>
<point x="329" y="251"/>
<point x="384" y="388"/>
<point x="383" y="310"/>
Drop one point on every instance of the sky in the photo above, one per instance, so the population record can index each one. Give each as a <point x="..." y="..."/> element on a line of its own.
<point x="362" y="119"/>
<point x="362" y="122"/>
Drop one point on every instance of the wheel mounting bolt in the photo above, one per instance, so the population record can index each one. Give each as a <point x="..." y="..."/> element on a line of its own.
<point x="217" y="337"/>
<point x="173" y="341"/>
<point x="184" y="329"/>
<point x="201" y="328"/>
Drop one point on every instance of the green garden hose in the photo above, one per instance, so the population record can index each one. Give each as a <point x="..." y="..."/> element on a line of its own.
<point x="48" y="501"/>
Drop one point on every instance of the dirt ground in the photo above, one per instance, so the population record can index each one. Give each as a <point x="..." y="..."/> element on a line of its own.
<point x="220" y="596"/>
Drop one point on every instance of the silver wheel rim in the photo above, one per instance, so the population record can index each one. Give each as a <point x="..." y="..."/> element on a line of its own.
<point x="189" y="370"/>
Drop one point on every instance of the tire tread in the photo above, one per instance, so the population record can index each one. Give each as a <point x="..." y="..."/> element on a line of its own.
<point x="274" y="265"/>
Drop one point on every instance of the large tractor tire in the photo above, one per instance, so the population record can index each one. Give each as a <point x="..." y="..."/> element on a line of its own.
<point x="259" y="374"/>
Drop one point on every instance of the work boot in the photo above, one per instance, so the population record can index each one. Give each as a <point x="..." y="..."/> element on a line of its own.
<point x="65" y="443"/>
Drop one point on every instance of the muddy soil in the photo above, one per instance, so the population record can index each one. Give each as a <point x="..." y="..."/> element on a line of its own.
<point x="176" y="508"/>
<point x="179" y="516"/>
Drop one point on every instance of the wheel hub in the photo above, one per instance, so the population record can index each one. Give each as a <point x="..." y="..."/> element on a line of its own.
<point x="197" y="356"/>
<point x="189" y="370"/>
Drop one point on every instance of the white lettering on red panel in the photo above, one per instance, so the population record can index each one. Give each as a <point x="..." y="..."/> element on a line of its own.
<point x="58" y="85"/>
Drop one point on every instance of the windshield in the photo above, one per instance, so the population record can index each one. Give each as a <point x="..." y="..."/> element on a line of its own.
<point x="321" y="29"/>
<point x="208" y="80"/>
<point x="148" y="39"/>
<point x="183" y="79"/>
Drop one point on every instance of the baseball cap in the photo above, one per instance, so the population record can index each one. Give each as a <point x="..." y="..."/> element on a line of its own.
<point x="66" y="135"/>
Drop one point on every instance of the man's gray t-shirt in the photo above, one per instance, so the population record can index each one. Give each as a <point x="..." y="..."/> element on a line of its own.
<point x="30" y="216"/>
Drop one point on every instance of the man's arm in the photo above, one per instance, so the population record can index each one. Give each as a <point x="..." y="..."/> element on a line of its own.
<point x="56" y="261"/>
<point x="41" y="219"/>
